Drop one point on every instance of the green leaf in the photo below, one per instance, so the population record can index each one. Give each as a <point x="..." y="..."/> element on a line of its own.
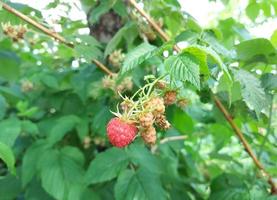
<point x="50" y="81"/>
<point x="12" y="94"/>
<point x="90" y="194"/>
<point x="269" y="82"/>
<point x="221" y="135"/>
<point x="140" y="184"/>
<point x="273" y="38"/>
<point x="187" y="35"/>
<point x="266" y="7"/>
<point x="117" y="38"/>
<point x="252" y="92"/>
<point x="101" y="118"/>
<point x="235" y="92"/>
<point x="9" y="131"/>
<point x="7" y="156"/>
<point x="142" y="157"/>
<point x="259" y="191"/>
<point x="10" y="63"/>
<point x="252" y="10"/>
<point x="224" y="84"/>
<point x="29" y="127"/>
<point x="257" y="50"/>
<point x="106" y="165"/>
<point x="25" y="110"/>
<point x="10" y="187"/>
<point x="30" y="160"/>
<point x="83" y="128"/>
<point x="202" y="58"/>
<point x="228" y="187"/>
<point x="87" y="52"/>
<point x="103" y="7"/>
<point x="137" y="56"/>
<point x="89" y="40"/>
<point x="61" y="127"/>
<point x="3" y="107"/>
<point x="61" y="175"/>
<point x="183" y="67"/>
<point x="35" y="191"/>
<point x="120" y="8"/>
<point x="182" y="121"/>
<point x="209" y="51"/>
<point x="89" y="48"/>
<point x="193" y="25"/>
<point x="74" y="153"/>
<point x="217" y="46"/>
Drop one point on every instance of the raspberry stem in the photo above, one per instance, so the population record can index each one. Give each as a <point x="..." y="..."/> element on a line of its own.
<point x="144" y="97"/>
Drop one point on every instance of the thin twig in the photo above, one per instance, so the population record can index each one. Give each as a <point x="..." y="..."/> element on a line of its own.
<point x="246" y="145"/>
<point x="35" y="24"/>
<point x="238" y="132"/>
<point x="217" y="102"/>
<point x="168" y="139"/>
<point x="152" y="23"/>
<point x="102" y="67"/>
<point x="150" y="20"/>
<point x="50" y="33"/>
<point x="173" y="138"/>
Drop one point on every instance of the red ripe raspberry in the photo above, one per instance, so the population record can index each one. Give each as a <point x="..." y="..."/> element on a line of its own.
<point x="121" y="133"/>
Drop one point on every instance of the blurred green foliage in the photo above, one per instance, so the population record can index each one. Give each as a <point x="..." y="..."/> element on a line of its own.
<point x="54" y="113"/>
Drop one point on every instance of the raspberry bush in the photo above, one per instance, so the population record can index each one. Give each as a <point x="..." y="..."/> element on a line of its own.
<point x="147" y="104"/>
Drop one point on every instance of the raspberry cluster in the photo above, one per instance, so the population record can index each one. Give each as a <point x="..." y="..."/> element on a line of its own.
<point x="15" y="32"/>
<point x="170" y="97"/>
<point x="143" y="115"/>
<point x="26" y="86"/>
<point x="87" y="142"/>
<point x="116" y="58"/>
<point x="156" y="115"/>
<point x="111" y="82"/>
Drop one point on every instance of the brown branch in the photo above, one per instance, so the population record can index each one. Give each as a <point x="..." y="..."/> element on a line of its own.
<point x="152" y="22"/>
<point x="50" y="33"/>
<point x="102" y="67"/>
<point x="238" y="132"/>
<point x="246" y="145"/>
<point x="217" y="102"/>
<point x="34" y="23"/>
